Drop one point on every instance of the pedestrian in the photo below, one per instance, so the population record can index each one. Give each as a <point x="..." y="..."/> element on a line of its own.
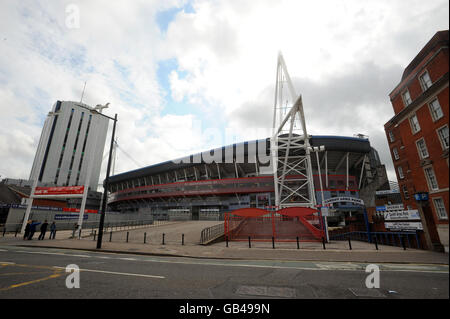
<point x="32" y="230"/>
<point x="27" y="230"/>
<point x="43" y="230"/>
<point x="52" y="230"/>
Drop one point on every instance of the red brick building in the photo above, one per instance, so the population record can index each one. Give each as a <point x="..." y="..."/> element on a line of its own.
<point x="418" y="134"/>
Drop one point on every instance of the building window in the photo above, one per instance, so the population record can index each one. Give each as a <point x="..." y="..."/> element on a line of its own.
<point x="406" y="98"/>
<point x="431" y="179"/>
<point x="436" y="110"/>
<point x="400" y="172"/>
<point x="414" y="122"/>
<point x="422" y="148"/>
<point x="440" y="208"/>
<point x="395" y="152"/>
<point x="425" y="81"/>
<point x="443" y="136"/>
<point x="391" y="136"/>
<point x="405" y="192"/>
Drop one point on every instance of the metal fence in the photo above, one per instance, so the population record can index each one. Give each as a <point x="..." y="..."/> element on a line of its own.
<point x="211" y="233"/>
<point x="72" y="225"/>
<point x="400" y="239"/>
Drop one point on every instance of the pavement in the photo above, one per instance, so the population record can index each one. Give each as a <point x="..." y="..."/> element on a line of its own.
<point x="336" y="251"/>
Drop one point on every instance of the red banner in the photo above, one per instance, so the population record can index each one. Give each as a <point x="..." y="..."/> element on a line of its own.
<point x="77" y="210"/>
<point x="64" y="190"/>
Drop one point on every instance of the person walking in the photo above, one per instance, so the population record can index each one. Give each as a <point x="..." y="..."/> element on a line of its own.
<point x="32" y="230"/>
<point x="52" y="230"/>
<point x="43" y="230"/>
<point x="27" y="230"/>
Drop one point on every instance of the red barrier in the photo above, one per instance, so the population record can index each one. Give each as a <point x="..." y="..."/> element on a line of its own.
<point x="284" y="225"/>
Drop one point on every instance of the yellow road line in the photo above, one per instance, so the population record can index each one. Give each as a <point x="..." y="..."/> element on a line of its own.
<point x="56" y="273"/>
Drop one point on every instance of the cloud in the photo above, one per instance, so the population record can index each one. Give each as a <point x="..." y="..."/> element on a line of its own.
<point x="343" y="56"/>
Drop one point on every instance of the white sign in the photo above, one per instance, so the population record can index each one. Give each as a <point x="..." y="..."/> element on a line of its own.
<point x="387" y="192"/>
<point x="324" y="211"/>
<point x="352" y="200"/>
<point x="402" y="215"/>
<point x="394" y="207"/>
<point x="404" y="225"/>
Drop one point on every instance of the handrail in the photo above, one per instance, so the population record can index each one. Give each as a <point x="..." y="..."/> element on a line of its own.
<point x="212" y="232"/>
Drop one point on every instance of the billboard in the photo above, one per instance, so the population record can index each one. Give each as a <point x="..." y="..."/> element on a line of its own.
<point x="63" y="190"/>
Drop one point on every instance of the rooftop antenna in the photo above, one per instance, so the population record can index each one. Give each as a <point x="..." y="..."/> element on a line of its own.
<point x="82" y="94"/>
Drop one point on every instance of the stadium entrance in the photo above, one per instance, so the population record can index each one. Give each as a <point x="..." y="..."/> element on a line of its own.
<point x="286" y="224"/>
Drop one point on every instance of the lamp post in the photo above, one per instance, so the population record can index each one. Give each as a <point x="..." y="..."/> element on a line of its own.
<point x="105" y="185"/>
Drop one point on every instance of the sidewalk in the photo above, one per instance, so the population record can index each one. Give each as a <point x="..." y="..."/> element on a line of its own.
<point x="335" y="251"/>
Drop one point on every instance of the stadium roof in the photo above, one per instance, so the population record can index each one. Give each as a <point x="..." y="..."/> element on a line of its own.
<point x="336" y="146"/>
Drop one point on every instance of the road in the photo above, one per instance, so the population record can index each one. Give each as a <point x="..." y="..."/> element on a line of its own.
<point x="41" y="273"/>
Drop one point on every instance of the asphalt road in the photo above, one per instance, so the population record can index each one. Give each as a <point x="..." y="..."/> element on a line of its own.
<point x="41" y="273"/>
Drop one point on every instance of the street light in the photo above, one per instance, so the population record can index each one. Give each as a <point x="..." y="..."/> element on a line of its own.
<point x="105" y="184"/>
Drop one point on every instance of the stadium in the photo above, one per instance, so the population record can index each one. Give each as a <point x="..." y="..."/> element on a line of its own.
<point x="238" y="177"/>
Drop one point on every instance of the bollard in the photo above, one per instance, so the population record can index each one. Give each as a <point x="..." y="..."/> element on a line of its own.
<point x="182" y="239"/>
<point x="15" y="235"/>
<point x="298" y="243"/>
<point x="249" y="242"/>
<point x="127" y="236"/>
<point x="73" y="234"/>
<point x="163" y="238"/>
<point x="403" y="242"/>
<point x="323" y="242"/>
<point x="95" y="234"/>
<point x="376" y="242"/>
<point x="273" y="242"/>
<point x="349" y="243"/>
<point x="145" y="237"/>
<point x="110" y="236"/>
<point x="4" y="231"/>
<point x="226" y="240"/>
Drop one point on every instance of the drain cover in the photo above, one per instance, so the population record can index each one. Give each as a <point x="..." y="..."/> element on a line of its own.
<point x="366" y="292"/>
<point x="283" y="292"/>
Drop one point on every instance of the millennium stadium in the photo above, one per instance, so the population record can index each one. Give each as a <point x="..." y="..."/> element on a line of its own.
<point x="291" y="183"/>
<point x="193" y="188"/>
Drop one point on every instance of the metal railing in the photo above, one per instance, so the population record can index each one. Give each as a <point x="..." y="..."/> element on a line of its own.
<point x="71" y="225"/>
<point x="400" y="239"/>
<point x="211" y="233"/>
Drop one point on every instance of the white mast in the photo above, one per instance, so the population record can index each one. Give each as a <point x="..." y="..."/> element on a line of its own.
<point x="293" y="179"/>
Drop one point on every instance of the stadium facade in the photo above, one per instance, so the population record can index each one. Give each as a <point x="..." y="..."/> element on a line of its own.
<point x="209" y="184"/>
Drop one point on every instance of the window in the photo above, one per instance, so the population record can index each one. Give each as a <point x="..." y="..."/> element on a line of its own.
<point x="440" y="208"/>
<point x="422" y="148"/>
<point x="443" y="136"/>
<point x="391" y="136"/>
<point x="436" y="110"/>
<point x="395" y="152"/>
<point x="415" y="127"/>
<point x="406" y="98"/>
<point x="400" y="172"/>
<point x="425" y="81"/>
<point x="431" y="179"/>
<point x="405" y="191"/>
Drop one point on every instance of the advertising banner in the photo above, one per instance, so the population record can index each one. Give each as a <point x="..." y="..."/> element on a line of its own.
<point x="402" y="215"/>
<point x="77" y="210"/>
<point x="404" y="225"/>
<point x="63" y="190"/>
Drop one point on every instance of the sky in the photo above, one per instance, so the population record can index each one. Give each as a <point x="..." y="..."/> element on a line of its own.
<point x="185" y="76"/>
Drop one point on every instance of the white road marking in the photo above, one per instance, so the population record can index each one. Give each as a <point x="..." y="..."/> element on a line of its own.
<point x="6" y="262"/>
<point x="49" y="253"/>
<point x="127" y="258"/>
<point x="3" y="250"/>
<point x="117" y="273"/>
